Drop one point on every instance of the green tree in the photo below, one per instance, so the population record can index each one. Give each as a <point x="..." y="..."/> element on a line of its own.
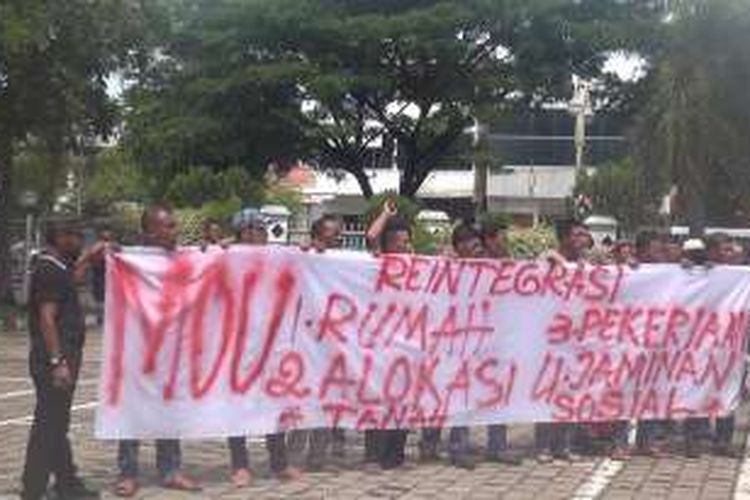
<point x="210" y="97"/>
<point x="55" y="58"/>
<point x="251" y="81"/>
<point x="693" y="125"/>
<point x="197" y="186"/>
<point x="116" y="178"/>
<point x="619" y="190"/>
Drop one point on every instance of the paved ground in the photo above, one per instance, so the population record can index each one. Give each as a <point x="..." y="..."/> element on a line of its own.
<point x="673" y="477"/>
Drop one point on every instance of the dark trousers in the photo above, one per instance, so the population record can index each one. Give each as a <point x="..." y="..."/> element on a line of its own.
<point x="168" y="458"/>
<point x="387" y="447"/>
<point x="275" y="444"/>
<point x="554" y="438"/>
<point x="459" y="440"/>
<point x="497" y="439"/>
<point x="392" y="449"/>
<point x="649" y="431"/>
<point x="48" y="450"/>
<point x="319" y="440"/>
<point x="372" y="445"/>
<point x="724" y="430"/>
<point x="238" y="456"/>
<point x="277" y="455"/>
<point x="698" y="428"/>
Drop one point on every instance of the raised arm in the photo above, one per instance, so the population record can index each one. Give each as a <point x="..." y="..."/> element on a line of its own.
<point x="378" y="225"/>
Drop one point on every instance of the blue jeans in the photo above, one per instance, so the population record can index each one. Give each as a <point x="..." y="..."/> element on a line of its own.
<point x="724" y="430"/>
<point x="275" y="444"/>
<point x="458" y="442"/>
<point x="168" y="458"/>
<point x="497" y="439"/>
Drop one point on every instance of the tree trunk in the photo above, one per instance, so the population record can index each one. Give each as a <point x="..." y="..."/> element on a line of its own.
<point x="364" y="182"/>
<point x="410" y="181"/>
<point x="6" y="165"/>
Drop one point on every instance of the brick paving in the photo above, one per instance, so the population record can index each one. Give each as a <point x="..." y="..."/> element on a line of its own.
<point x="670" y="477"/>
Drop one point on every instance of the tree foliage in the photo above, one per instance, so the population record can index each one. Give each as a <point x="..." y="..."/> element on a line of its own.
<point x="694" y="121"/>
<point x="200" y="185"/>
<point x="254" y="81"/>
<point x="619" y="190"/>
<point x="55" y="58"/>
<point x="116" y="178"/>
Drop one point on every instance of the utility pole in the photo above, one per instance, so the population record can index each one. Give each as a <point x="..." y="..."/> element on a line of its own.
<point x="580" y="108"/>
<point x="480" y="171"/>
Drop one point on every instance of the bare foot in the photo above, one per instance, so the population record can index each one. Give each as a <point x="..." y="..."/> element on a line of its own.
<point x="125" y="488"/>
<point x="619" y="454"/>
<point x="181" y="482"/>
<point x="289" y="474"/>
<point x="242" y="478"/>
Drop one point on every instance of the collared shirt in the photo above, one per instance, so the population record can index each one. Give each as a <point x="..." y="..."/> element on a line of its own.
<point x="52" y="280"/>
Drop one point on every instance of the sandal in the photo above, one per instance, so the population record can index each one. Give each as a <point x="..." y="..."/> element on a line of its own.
<point x="125" y="488"/>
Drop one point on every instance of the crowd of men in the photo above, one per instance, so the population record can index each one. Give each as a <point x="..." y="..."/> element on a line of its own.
<point x="57" y="331"/>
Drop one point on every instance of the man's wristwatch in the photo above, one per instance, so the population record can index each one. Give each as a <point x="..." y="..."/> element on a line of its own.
<point x="56" y="360"/>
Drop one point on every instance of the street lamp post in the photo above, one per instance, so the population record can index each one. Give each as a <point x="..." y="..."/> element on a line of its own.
<point x="580" y="107"/>
<point x="480" y="170"/>
<point x="28" y="201"/>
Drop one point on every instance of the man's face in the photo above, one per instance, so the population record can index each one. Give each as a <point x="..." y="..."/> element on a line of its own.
<point x="330" y="234"/>
<point x="69" y="244"/>
<point x="723" y="253"/>
<point x="251" y="235"/>
<point x="578" y="241"/>
<point x="470" y="248"/>
<point x="163" y="231"/>
<point x="496" y="246"/>
<point x="654" y="252"/>
<point x="624" y="253"/>
<point x="398" y="242"/>
<point x="673" y="253"/>
<point x="213" y="233"/>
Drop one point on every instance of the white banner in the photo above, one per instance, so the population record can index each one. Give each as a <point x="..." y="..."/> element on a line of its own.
<point x="258" y="340"/>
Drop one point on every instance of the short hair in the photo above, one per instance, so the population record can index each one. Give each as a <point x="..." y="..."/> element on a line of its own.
<point x="53" y="229"/>
<point x="394" y="225"/>
<point x="210" y="222"/>
<point x="715" y="240"/>
<point x="317" y="227"/>
<point x="645" y="238"/>
<point x="491" y="228"/>
<point x="464" y="232"/>
<point x="151" y="211"/>
<point x="564" y="227"/>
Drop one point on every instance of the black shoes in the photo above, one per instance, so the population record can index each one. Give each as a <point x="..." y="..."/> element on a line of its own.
<point x="463" y="461"/>
<point x="75" y="490"/>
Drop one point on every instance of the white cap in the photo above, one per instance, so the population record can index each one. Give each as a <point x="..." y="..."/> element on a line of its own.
<point x="693" y="245"/>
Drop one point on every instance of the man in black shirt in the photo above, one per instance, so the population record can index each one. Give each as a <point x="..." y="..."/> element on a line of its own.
<point x="160" y="230"/>
<point x="57" y="327"/>
<point x="495" y="244"/>
<point x="553" y="439"/>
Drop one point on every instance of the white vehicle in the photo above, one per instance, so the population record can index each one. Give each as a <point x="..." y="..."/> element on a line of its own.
<point x="735" y="233"/>
<point x="601" y="227"/>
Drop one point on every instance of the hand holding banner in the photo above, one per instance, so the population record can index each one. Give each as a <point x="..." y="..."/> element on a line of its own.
<point x="257" y="340"/>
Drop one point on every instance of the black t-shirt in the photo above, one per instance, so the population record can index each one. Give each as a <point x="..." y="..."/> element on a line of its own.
<point x="98" y="272"/>
<point x="53" y="281"/>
